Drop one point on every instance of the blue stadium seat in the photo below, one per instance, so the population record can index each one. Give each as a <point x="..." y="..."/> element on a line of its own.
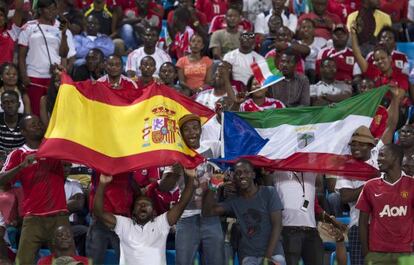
<point x="333" y="259"/>
<point x="43" y="252"/>
<point x="344" y="220"/>
<point x="170" y="257"/>
<point x="12" y="234"/>
<point x="110" y="258"/>
<point x="408" y="49"/>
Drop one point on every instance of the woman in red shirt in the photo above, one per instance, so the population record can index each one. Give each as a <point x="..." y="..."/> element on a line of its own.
<point x="9" y="32"/>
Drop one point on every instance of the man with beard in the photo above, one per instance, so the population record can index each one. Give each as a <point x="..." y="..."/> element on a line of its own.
<point x="44" y="204"/>
<point x="364" y="148"/>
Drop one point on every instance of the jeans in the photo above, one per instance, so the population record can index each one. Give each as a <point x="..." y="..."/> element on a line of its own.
<point x="334" y="203"/>
<point x="278" y="259"/>
<point x="195" y="231"/>
<point x="127" y="34"/>
<point x="302" y="242"/>
<point x="99" y="238"/>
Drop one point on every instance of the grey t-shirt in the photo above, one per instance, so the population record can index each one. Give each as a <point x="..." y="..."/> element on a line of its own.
<point x="253" y="215"/>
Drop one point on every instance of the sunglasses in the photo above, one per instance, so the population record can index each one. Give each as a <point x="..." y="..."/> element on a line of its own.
<point x="250" y="35"/>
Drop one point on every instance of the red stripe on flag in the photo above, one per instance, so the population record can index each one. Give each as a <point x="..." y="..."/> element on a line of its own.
<point x="257" y="72"/>
<point x="70" y="151"/>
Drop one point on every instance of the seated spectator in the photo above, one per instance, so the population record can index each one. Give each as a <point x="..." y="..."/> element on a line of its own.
<point x="219" y="21"/>
<point x="252" y="8"/>
<point x="408" y="165"/>
<point x="329" y="90"/>
<point x="181" y="33"/>
<point x="211" y="8"/>
<point x="406" y="139"/>
<point x="344" y="57"/>
<point x="258" y="101"/>
<point x="93" y="69"/>
<point x="196" y="15"/>
<point x="168" y="76"/>
<point x="324" y="21"/>
<point x="290" y="20"/>
<point x="10" y="81"/>
<point x="258" y="211"/>
<point x="149" y="48"/>
<point x="92" y="38"/>
<point x="224" y="40"/>
<point x="369" y="21"/>
<point x="343" y="8"/>
<point x="108" y="20"/>
<point x="10" y="134"/>
<point x="151" y="232"/>
<point x="240" y="59"/>
<point x="10" y="31"/>
<point x="147" y="68"/>
<point x="293" y="91"/>
<point x="283" y="41"/>
<point x="195" y="70"/>
<point x="63" y="249"/>
<point x="388" y="38"/>
<point x="275" y="23"/>
<point x="307" y="37"/>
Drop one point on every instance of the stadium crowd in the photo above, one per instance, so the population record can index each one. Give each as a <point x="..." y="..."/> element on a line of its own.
<point x="327" y="50"/>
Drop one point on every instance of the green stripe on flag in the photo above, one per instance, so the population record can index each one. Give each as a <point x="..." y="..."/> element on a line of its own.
<point x="272" y="67"/>
<point x="365" y="104"/>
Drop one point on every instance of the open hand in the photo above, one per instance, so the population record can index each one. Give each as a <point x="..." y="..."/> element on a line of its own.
<point x="105" y="179"/>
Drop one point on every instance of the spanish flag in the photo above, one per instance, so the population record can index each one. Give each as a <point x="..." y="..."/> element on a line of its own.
<point x="94" y="126"/>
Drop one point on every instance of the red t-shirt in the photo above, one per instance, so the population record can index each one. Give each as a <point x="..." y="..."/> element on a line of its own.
<point x="391" y="210"/>
<point x="321" y="30"/>
<point x="211" y="8"/>
<point x="219" y="22"/>
<point x="43" y="183"/>
<point x="146" y="176"/>
<point x="344" y="62"/>
<point x="200" y="16"/>
<point x="270" y="103"/>
<point x="300" y="65"/>
<point x="342" y="8"/>
<point x="181" y="45"/>
<point x="126" y="88"/>
<point x="162" y="201"/>
<point x="399" y="59"/>
<point x="396" y="9"/>
<point x="379" y="122"/>
<point x="118" y="196"/>
<point x="48" y="260"/>
<point x="154" y="15"/>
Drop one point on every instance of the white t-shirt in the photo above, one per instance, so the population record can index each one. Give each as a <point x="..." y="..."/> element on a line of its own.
<point x="254" y="7"/>
<point x="317" y="44"/>
<point x="72" y="187"/>
<point x="343" y="183"/>
<point x="142" y="245"/>
<point x="135" y="57"/>
<point x="211" y="130"/>
<point x="37" y="59"/>
<point x="261" y="27"/>
<point x="208" y="98"/>
<point x="289" y="188"/>
<point x="241" y="64"/>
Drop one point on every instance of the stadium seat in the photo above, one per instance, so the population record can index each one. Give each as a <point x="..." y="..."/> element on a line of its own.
<point x="333" y="259"/>
<point x="43" y="252"/>
<point x="344" y="220"/>
<point x="408" y="49"/>
<point x="12" y="234"/>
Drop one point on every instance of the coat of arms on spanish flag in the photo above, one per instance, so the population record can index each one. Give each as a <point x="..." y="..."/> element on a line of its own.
<point x="93" y="125"/>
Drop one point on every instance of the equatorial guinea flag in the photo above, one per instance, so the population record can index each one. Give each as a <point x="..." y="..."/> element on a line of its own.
<point x="93" y="125"/>
<point x="313" y="139"/>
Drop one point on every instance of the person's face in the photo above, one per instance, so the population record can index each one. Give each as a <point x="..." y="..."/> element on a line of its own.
<point x="196" y="44"/>
<point x="386" y="159"/>
<point x="94" y="61"/>
<point x="374" y="4"/>
<point x="9" y="76"/>
<point x="284" y="34"/>
<point x="92" y="26"/>
<point x="168" y="74"/>
<point x="33" y="128"/>
<point x="387" y="39"/>
<point x="243" y="176"/>
<point x="49" y="13"/>
<point x="407" y="136"/>
<point x="150" y="38"/>
<point x="114" y="66"/>
<point x="191" y="132"/>
<point x="232" y="18"/>
<point x="319" y="7"/>
<point x="306" y="29"/>
<point x="275" y="22"/>
<point x="10" y="104"/>
<point x="223" y="104"/>
<point x="287" y="64"/>
<point x="339" y="38"/>
<point x="328" y="69"/>
<point x="147" y="67"/>
<point x="256" y="85"/>
<point x="382" y="60"/>
<point x="360" y="151"/>
<point x="365" y="85"/>
<point x="143" y="210"/>
<point x="278" y="4"/>
<point x="178" y="24"/>
<point x="247" y="42"/>
<point x="408" y="165"/>
<point x="63" y="238"/>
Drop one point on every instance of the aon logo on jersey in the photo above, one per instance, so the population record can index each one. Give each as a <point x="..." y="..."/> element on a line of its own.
<point x="393" y="211"/>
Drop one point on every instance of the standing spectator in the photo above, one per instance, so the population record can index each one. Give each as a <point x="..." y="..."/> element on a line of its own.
<point x="275" y="23"/>
<point x="143" y="229"/>
<point x="195" y="70"/>
<point x="293" y="91"/>
<point x="43" y="43"/>
<point x="44" y="204"/>
<point x="211" y="8"/>
<point x="108" y="19"/>
<point x="224" y="40"/>
<point x="329" y="90"/>
<point x="344" y="57"/>
<point x="63" y="249"/>
<point x="386" y="207"/>
<point x="93" y="69"/>
<point x="290" y="20"/>
<point x="10" y="134"/>
<point x="168" y="76"/>
<point x="92" y="38"/>
<point x="252" y="8"/>
<point x="241" y="58"/>
<point x="9" y="31"/>
<point x="324" y="21"/>
<point x="258" y="101"/>
<point x="10" y="81"/>
<point x="259" y="213"/>
<point x="149" y="48"/>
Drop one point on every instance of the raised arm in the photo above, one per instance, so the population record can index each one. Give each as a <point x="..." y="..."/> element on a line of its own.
<point x="7" y="176"/>
<point x="276" y="221"/>
<point x="98" y="209"/>
<point x="175" y="212"/>
<point x="363" y="64"/>
<point x="393" y="111"/>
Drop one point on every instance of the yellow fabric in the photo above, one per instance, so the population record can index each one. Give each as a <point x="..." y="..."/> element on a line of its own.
<point x="118" y="131"/>
<point x="105" y="9"/>
<point x="84" y="179"/>
<point x="381" y="19"/>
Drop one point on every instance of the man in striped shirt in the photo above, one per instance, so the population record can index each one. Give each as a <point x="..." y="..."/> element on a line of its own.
<point x="10" y="135"/>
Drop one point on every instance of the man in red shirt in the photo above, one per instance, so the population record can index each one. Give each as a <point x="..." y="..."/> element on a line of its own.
<point x="196" y="15"/>
<point x="386" y="207"/>
<point x="219" y="21"/>
<point x="44" y="204"/>
<point x="342" y="8"/>
<point x="212" y="8"/>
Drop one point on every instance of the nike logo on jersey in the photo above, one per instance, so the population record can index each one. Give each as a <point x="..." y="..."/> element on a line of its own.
<point x="377" y="195"/>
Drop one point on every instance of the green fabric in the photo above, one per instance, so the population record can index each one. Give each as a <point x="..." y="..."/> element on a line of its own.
<point x="379" y="258"/>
